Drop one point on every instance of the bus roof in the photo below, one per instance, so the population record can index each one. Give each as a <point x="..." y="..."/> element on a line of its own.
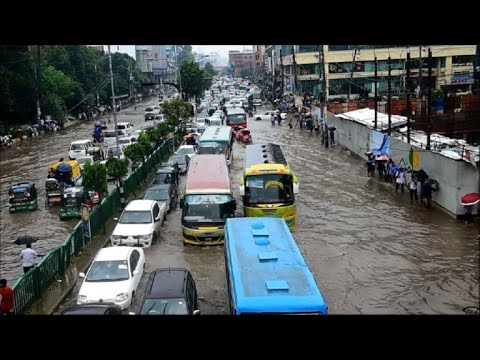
<point x="208" y="174"/>
<point x="216" y="133"/>
<point x="235" y="110"/>
<point x="264" y="154"/>
<point x="267" y="271"/>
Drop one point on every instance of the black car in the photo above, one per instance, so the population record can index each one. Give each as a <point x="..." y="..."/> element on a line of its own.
<point x="169" y="291"/>
<point x="166" y="193"/>
<point x="182" y="161"/>
<point x="93" y="309"/>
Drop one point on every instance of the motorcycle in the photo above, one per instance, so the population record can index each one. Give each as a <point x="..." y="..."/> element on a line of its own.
<point x="97" y="134"/>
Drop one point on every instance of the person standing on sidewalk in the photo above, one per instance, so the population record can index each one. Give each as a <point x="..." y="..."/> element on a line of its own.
<point x="29" y="257"/>
<point x="6" y="295"/>
<point x="400" y="179"/>
<point x="412" y="185"/>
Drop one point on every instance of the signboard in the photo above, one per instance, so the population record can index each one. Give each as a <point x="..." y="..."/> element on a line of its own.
<point x="86" y="229"/>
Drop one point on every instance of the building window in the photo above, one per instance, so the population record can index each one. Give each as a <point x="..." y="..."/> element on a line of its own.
<point x="462" y="60"/>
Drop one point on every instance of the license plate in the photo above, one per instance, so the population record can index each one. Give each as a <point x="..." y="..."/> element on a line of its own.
<point x="208" y="239"/>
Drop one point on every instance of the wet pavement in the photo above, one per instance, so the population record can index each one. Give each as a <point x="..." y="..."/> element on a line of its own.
<point x="370" y="249"/>
<point x="29" y="160"/>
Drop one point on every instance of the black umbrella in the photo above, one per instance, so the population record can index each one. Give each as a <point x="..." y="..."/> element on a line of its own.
<point x="24" y="240"/>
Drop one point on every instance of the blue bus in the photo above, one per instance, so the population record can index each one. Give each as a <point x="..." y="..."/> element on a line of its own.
<point x="265" y="271"/>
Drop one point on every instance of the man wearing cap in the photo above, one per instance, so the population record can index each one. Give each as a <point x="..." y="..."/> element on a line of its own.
<point x="6" y="295"/>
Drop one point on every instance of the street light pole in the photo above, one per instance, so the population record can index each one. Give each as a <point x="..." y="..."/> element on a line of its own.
<point x="114" y="107"/>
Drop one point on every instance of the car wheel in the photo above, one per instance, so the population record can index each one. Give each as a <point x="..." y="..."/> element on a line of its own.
<point x="133" y="299"/>
<point x="258" y="119"/>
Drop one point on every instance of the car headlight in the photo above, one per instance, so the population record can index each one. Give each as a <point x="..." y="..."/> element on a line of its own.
<point x="116" y="237"/>
<point x="120" y="298"/>
<point x="146" y="237"/>
<point x="82" y="299"/>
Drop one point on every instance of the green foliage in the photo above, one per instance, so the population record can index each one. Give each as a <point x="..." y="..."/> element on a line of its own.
<point x="174" y="110"/>
<point x="184" y="53"/>
<point x="116" y="169"/>
<point x="192" y="79"/>
<point x="135" y="152"/>
<point x="95" y="177"/>
<point x="209" y="70"/>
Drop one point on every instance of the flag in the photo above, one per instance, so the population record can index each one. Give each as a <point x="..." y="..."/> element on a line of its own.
<point x="414" y="158"/>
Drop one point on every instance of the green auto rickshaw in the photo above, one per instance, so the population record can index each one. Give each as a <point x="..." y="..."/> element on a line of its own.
<point x="22" y="197"/>
<point x="71" y="203"/>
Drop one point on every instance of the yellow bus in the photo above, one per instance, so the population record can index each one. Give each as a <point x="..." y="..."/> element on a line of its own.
<point x="268" y="186"/>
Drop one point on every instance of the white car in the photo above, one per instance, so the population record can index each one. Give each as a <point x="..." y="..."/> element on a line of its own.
<point x="139" y="224"/>
<point x="79" y="148"/>
<point x="112" y="152"/>
<point x="268" y="116"/>
<point x="126" y="141"/>
<point x="113" y="276"/>
<point x="188" y="150"/>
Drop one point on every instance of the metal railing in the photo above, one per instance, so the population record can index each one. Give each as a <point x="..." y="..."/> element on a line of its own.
<point x="31" y="286"/>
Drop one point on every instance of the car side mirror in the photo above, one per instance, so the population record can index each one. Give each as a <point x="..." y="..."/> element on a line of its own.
<point x="82" y="275"/>
<point x="295" y="188"/>
<point x="116" y="219"/>
<point x="136" y="272"/>
<point x="196" y="312"/>
<point x="182" y="202"/>
<point x="157" y="218"/>
<point x="242" y="190"/>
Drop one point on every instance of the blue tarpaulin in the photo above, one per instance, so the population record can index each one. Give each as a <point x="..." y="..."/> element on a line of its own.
<point x="379" y="143"/>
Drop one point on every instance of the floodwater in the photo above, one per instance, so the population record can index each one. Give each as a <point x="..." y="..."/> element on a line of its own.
<point x="370" y="249"/>
<point x="29" y="160"/>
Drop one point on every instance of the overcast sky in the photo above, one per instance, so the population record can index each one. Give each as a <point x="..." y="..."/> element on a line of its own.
<point x="222" y="50"/>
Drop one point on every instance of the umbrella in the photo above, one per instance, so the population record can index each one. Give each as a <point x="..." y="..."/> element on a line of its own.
<point x="470" y="199"/>
<point x="24" y="240"/>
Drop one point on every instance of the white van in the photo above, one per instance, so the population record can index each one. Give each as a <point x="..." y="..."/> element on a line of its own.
<point x="79" y="148"/>
<point x="127" y="127"/>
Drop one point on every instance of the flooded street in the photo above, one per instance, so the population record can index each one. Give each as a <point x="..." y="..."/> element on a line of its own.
<point x="370" y="249"/>
<point x="29" y="160"/>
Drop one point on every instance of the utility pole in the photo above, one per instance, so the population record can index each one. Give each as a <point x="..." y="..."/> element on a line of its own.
<point x="389" y="103"/>
<point x="323" y="103"/>
<point x="37" y="78"/>
<point x="408" y="89"/>
<point x="429" y="97"/>
<point x="281" y="70"/>
<point x="96" y="81"/>
<point x="114" y="107"/>
<point x="294" y="70"/>
<point x="351" y="79"/>
<point x="376" y="94"/>
<point x="420" y="71"/>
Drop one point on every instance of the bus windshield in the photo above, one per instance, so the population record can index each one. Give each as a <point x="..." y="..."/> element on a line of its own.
<point x="212" y="147"/>
<point x="211" y="208"/>
<point x="268" y="189"/>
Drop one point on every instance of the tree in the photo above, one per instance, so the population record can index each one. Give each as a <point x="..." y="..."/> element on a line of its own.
<point x="209" y="70"/>
<point x="192" y="79"/>
<point x="95" y="178"/>
<point x="184" y="53"/>
<point x="116" y="169"/>
<point x="176" y="109"/>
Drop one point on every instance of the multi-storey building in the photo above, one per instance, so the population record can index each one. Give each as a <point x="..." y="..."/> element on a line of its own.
<point x="350" y="69"/>
<point x="242" y="63"/>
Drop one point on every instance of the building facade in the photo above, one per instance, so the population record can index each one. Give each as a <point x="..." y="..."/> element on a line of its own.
<point x="350" y="69"/>
<point x="242" y="64"/>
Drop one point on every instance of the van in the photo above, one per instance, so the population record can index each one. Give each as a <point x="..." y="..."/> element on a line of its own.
<point x="127" y="127"/>
<point x="79" y="148"/>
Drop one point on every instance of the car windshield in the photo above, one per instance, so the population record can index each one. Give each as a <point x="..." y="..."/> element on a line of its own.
<point x="175" y="306"/>
<point x="77" y="147"/>
<point x="157" y="195"/>
<point x="207" y="207"/>
<point x="178" y="159"/>
<point x="108" y="134"/>
<point x="185" y="151"/>
<point x="113" y="270"/>
<point x="124" y="141"/>
<point x="83" y="160"/>
<point x="136" y="217"/>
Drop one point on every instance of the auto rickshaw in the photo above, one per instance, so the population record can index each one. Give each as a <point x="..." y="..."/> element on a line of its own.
<point x="53" y="192"/>
<point x="65" y="171"/>
<point x="167" y="173"/>
<point x="97" y="153"/>
<point x="22" y="197"/>
<point x="71" y="203"/>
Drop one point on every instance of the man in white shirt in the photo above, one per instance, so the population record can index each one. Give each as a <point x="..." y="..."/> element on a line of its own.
<point x="29" y="257"/>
